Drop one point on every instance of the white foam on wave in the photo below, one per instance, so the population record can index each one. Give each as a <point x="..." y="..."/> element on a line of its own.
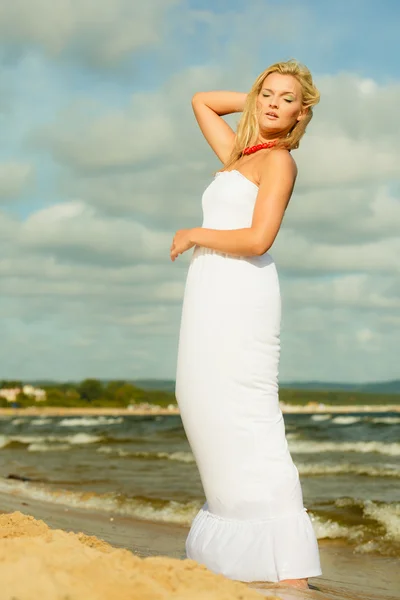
<point x="349" y="468"/>
<point x="326" y="528"/>
<point x="291" y="435"/>
<point x="346" y="420"/>
<point x="185" y="457"/>
<point x="89" y="421"/>
<point x="40" y="421"/>
<point x="73" y="439"/>
<point x="48" y="447"/>
<point x="311" y="446"/>
<point x="4" y="441"/>
<point x="27" y="439"/>
<point x="105" y="449"/>
<point x="321" y="417"/>
<point x="386" y="420"/>
<point x="82" y="438"/>
<point x="17" y="421"/>
<point x="183" y="513"/>
<point x="171" y="512"/>
<point x="387" y="515"/>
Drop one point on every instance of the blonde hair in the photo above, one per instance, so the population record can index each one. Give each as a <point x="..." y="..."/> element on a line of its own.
<point x="248" y="127"/>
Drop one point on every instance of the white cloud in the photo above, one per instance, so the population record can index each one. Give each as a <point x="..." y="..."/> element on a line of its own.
<point x="116" y="139"/>
<point x="98" y="31"/>
<point x="74" y="231"/>
<point x="85" y="273"/>
<point x="345" y="215"/>
<point x="15" y="178"/>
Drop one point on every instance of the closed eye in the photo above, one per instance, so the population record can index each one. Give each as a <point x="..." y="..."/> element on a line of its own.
<point x="286" y="99"/>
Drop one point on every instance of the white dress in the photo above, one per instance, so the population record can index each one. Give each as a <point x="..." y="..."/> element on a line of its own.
<point x="253" y="526"/>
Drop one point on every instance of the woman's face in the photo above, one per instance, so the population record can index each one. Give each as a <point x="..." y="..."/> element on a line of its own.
<point x="279" y="104"/>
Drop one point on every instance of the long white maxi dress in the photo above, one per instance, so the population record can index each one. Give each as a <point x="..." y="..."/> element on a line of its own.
<point x="253" y="526"/>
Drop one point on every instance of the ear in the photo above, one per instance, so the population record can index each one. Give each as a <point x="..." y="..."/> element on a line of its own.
<point x="303" y="113"/>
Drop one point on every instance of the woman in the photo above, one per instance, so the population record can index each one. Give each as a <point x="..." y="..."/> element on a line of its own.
<point x="253" y="526"/>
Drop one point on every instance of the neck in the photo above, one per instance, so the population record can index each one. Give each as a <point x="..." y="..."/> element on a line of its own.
<point x="265" y="137"/>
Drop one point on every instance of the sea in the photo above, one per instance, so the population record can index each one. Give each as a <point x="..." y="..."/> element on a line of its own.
<point x="142" y="466"/>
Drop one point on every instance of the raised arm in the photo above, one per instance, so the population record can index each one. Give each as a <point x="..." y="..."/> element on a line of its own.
<point x="208" y="108"/>
<point x="277" y="180"/>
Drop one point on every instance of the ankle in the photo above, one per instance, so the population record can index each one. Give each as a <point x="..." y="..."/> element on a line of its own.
<point x="300" y="583"/>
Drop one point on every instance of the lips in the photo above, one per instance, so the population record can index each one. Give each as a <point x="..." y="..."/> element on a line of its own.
<point x="272" y="114"/>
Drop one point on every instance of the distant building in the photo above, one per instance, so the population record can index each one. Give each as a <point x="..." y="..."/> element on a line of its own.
<point x="37" y="393"/>
<point x="10" y="394"/>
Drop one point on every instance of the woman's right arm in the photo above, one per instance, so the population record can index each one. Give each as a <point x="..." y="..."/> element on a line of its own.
<point x="208" y="108"/>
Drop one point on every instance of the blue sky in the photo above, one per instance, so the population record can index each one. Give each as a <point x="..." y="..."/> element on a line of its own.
<point x="94" y="113"/>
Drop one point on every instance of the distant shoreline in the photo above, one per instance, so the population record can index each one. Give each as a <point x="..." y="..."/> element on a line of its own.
<point x="104" y="411"/>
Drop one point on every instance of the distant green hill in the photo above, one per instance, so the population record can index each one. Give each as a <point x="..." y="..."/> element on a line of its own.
<point x="112" y="393"/>
<point x="168" y="385"/>
<point x="380" y="387"/>
<point x="318" y="392"/>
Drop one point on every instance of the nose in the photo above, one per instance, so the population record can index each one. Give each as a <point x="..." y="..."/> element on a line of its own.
<point x="273" y="103"/>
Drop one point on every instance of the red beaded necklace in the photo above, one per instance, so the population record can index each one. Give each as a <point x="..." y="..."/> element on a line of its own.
<point x="251" y="149"/>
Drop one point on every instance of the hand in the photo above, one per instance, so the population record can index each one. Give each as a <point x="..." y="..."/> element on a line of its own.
<point x="181" y="242"/>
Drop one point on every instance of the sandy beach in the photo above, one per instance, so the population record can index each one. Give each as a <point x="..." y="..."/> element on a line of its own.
<point x="53" y="553"/>
<point x="97" y="504"/>
<point x="61" y="411"/>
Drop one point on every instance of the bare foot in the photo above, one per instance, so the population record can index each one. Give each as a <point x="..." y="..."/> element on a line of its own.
<point x="297" y="583"/>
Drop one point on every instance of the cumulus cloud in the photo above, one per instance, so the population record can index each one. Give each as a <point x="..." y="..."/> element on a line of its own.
<point x="85" y="273"/>
<point x="15" y="178"/>
<point x="97" y="31"/>
<point x="114" y="140"/>
<point x="73" y="231"/>
<point x="356" y="214"/>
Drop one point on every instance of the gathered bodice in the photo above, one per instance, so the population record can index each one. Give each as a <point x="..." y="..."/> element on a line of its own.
<point x="228" y="202"/>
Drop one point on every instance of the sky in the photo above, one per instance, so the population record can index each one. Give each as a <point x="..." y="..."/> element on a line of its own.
<point x="101" y="161"/>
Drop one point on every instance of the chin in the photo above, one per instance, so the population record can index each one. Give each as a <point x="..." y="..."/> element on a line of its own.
<point x="270" y="128"/>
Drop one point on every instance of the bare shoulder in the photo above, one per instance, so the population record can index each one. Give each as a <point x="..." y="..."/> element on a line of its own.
<point x="279" y="160"/>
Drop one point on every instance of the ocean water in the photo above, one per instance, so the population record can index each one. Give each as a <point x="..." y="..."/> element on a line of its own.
<point x="349" y="467"/>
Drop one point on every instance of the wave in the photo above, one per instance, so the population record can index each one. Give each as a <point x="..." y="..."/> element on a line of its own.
<point x="29" y="440"/>
<point x="329" y="529"/>
<point x="348" y="468"/>
<point x="346" y="420"/>
<point x="186" y="457"/>
<point x="89" y="421"/>
<point x="369" y="526"/>
<point x="147" y="509"/>
<point x="350" y="419"/>
<point x="37" y="447"/>
<point x="40" y="421"/>
<point x="386" y="420"/>
<point x="382" y="533"/>
<point x="4" y="440"/>
<point x="306" y="447"/>
<point x="303" y="468"/>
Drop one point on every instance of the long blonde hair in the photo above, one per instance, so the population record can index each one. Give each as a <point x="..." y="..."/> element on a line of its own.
<point x="248" y="128"/>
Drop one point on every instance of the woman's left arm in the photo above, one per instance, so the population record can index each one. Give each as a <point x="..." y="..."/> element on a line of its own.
<point x="277" y="179"/>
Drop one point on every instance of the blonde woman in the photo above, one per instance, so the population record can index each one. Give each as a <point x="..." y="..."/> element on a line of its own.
<point x="253" y="526"/>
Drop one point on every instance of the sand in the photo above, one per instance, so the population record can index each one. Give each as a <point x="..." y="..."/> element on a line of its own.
<point x="51" y="564"/>
<point x="62" y="411"/>
<point x="54" y="552"/>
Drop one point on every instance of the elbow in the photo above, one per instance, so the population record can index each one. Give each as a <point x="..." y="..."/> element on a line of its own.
<point x="261" y="241"/>
<point x="196" y="97"/>
<point x="261" y="247"/>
